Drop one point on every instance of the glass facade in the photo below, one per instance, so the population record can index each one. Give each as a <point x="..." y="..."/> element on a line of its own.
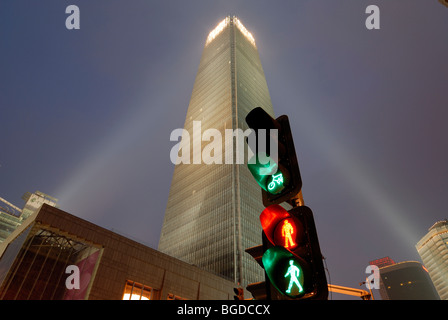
<point x="34" y="266"/>
<point x="212" y="213"/>
<point x="9" y="218"/>
<point x="8" y="223"/>
<point x="433" y="249"/>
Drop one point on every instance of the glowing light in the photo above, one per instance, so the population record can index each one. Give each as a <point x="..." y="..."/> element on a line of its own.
<point x="261" y="166"/>
<point x="284" y="271"/>
<point x="224" y="23"/>
<point x="280" y="228"/>
<point x="127" y="296"/>
<point x="293" y="273"/>
<point x="244" y="31"/>
<point x="287" y="231"/>
<point x="218" y="29"/>
<point x="276" y="183"/>
<point x="270" y="218"/>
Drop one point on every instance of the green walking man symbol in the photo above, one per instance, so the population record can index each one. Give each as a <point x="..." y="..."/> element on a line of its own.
<point x="294" y="273"/>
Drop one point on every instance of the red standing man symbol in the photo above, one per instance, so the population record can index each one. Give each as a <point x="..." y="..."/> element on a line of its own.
<point x="287" y="232"/>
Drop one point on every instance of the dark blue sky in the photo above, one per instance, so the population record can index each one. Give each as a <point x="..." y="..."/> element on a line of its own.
<point x="86" y="115"/>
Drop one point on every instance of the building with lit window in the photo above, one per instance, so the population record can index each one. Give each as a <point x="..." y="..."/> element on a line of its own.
<point x="407" y="280"/>
<point x="433" y="249"/>
<point x="54" y="255"/>
<point x="212" y="214"/>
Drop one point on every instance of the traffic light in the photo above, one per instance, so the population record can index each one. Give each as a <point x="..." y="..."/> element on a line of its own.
<point x="292" y="259"/>
<point x="274" y="163"/>
<point x="259" y="290"/>
<point x="290" y="254"/>
<point x="239" y="293"/>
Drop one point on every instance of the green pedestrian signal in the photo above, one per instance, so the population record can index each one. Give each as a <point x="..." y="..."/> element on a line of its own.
<point x="293" y="273"/>
<point x="286" y="272"/>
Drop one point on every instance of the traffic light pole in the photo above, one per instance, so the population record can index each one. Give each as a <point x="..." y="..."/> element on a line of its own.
<point x="297" y="200"/>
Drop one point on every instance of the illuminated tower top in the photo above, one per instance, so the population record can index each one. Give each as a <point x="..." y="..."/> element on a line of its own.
<point x="223" y="24"/>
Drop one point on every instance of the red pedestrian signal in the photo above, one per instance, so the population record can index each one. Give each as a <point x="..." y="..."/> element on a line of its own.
<point x="285" y="233"/>
<point x="292" y="259"/>
<point x="281" y="228"/>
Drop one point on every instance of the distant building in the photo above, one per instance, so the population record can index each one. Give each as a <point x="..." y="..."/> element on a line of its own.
<point x="11" y="216"/>
<point x="406" y="281"/>
<point x="53" y="252"/>
<point x="433" y="249"/>
<point x="33" y="202"/>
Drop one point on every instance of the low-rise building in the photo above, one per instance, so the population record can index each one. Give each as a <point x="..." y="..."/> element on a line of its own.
<point x="54" y="255"/>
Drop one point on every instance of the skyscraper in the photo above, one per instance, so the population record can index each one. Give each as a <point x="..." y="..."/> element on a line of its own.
<point x="212" y="214"/>
<point x="433" y="249"/>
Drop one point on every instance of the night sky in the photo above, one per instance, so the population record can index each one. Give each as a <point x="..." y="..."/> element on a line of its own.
<point x="86" y="115"/>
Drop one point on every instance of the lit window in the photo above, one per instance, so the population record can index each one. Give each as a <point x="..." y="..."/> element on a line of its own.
<point x="136" y="291"/>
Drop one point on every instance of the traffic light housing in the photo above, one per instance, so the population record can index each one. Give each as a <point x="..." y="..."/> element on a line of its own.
<point x="290" y="254"/>
<point x="292" y="258"/>
<point x="274" y="167"/>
